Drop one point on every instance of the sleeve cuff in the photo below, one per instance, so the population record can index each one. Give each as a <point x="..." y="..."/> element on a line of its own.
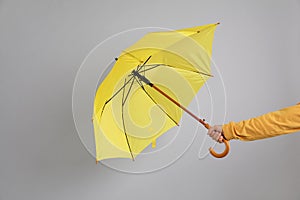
<point x="228" y="131"/>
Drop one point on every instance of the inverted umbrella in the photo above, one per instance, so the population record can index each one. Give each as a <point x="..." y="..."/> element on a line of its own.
<point x="150" y="85"/>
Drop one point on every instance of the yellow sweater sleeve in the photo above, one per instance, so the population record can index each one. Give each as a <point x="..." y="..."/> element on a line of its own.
<point x="272" y="124"/>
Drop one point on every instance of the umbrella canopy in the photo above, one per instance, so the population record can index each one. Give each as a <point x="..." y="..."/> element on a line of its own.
<point x="128" y="114"/>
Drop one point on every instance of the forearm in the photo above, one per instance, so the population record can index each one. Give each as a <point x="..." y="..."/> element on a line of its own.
<point x="272" y="124"/>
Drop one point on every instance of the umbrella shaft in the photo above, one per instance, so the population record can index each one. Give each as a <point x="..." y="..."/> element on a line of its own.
<point x="206" y="125"/>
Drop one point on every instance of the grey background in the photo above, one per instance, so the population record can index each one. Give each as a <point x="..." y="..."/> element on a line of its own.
<point x="42" y="46"/>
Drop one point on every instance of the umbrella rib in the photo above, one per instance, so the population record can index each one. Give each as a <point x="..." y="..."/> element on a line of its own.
<point x="107" y="101"/>
<point x="140" y="67"/>
<point x="154" y="66"/>
<point x="125" y="83"/>
<point x="155" y="101"/>
<point x="157" y="65"/>
<point x="123" y="102"/>
<point x="123" y="121"/>
<point x="194" y="71"/>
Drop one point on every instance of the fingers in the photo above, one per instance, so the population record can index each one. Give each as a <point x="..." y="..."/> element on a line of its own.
<point x="217" y="136"/>
<point x="215" y="133"/>
<point x="221" y="138"/>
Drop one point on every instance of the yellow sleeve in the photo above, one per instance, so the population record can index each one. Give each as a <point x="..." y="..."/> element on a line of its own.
<point x="272" y="124"/>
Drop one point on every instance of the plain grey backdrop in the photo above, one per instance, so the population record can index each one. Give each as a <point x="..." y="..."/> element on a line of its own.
<point x="42" y="45"/>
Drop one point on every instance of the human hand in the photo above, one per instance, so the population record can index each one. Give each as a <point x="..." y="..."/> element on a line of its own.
<point x="216" y="133"/>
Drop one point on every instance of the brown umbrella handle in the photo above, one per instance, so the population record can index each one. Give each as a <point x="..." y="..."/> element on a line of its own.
<point x="211" y="150"/>
<point x="224" y="153"/>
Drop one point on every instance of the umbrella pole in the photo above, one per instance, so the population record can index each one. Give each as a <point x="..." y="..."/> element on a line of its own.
<point x="206" y="125"/>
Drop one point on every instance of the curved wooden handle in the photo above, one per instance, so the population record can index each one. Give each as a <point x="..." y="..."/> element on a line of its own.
<point x="224" y="153"/>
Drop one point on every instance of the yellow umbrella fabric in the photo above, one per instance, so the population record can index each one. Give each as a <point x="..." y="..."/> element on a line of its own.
<point x="128" y="114"/>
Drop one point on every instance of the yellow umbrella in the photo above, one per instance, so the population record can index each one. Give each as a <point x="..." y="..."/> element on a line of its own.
<point x="147" y="89"/>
